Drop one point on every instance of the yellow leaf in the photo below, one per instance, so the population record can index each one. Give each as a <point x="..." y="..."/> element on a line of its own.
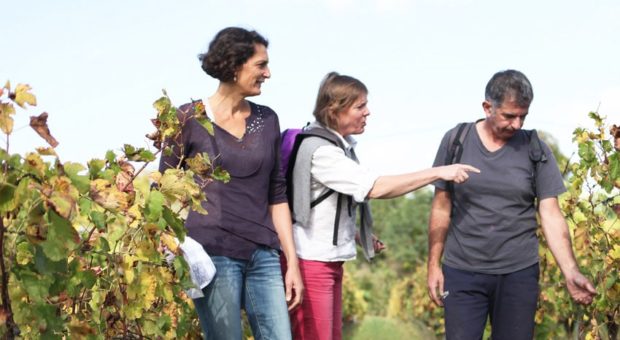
<point x="614" y="254"/>
<point x="6" y="121"/>
<point x="135" y="216"/>
<point x="108" y="196"/>
<point x="46" y="151"/>
<point x="155" y="176"/>
<point x="80" y="328"/>
<point x="148" y="285"/>
<point x="7" y="85"/>
<point x="127" y="266"/>
<point x="34" y="164"/>
<point x="170" y="242"/>
<point x="23" y="96"/>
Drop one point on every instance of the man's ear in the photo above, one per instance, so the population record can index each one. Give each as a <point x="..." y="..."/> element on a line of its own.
<point x="486" y="106"/>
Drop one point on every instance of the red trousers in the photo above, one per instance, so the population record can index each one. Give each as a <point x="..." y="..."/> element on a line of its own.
<point x="320" y="315"/>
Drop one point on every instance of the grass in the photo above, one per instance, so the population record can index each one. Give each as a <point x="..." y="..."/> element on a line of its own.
<point x="375" y="327"/>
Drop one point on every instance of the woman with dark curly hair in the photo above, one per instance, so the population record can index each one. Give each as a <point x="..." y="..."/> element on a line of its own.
<point x="248" y="224"/>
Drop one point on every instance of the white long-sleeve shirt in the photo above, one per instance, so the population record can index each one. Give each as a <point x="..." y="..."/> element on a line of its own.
<point x="332" y="169"/>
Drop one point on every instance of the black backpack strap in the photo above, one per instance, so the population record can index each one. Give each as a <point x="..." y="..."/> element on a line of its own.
<point x="455" y="147"/>
<point x="322" y="198"/>
<point x="455" y="143"/>
<point x="337" y="219"/>
<point x="536" y="154"/>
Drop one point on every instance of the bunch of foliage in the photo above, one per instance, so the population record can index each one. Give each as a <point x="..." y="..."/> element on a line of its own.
<point x="592" y="207"/>
<point x="84" y="247"/>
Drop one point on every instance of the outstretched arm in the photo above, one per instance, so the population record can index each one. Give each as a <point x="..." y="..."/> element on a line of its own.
<point x="437" y="230"/>
<point x="558" y="238"/>
<point x="398" y="185"/>
<point x="294" y="286"/>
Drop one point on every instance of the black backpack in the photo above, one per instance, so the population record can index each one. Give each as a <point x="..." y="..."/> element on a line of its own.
<point x="459" y="133"/>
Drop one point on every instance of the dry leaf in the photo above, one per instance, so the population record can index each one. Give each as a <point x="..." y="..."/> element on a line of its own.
<point x="615" y="132"/>
<point x="39" y="124"/>
<point x="123" y="178"/>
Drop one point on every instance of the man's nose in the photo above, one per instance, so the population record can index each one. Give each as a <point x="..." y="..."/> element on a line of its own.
<point x="517" y="123"/>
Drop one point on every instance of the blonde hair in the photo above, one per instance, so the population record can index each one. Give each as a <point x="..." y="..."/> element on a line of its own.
<point x="336" y="94"/>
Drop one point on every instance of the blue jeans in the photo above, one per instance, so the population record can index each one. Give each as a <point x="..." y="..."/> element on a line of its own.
<point x="255" y="285"/>
<point x="508" y="300"/>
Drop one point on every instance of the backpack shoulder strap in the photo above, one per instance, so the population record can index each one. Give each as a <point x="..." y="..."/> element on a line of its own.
<point x="536" y="154"/>
<point x="455" y="142"/>
<point x="536" y="151"/>
<point x="455" y="147"/>
<point x="324" y="134"/>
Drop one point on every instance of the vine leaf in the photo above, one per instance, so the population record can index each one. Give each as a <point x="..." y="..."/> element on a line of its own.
<point x="23" y="96"/>
<point x="39" y="124"/>
<point x="108" y="196"/>
<point x="6" y="121"/>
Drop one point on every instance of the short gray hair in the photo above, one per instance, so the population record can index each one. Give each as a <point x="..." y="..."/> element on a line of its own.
<point x="511" y="85"/>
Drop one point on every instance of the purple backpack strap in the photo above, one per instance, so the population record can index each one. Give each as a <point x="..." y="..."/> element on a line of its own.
<point x="286" y="147"/>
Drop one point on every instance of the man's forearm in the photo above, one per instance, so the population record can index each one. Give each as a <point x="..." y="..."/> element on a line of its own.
<point x="557" y="235"/>
<point x="439" y="222"/>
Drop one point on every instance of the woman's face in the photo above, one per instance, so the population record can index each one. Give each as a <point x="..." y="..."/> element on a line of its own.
<point x="351" y="121"/>
<point x="253" y="73"/>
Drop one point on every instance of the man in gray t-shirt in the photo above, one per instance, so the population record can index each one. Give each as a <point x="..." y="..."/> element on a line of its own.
<point x="486" y="227"/>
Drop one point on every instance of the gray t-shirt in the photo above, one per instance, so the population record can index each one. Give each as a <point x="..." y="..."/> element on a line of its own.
<point x="493" y="224"/>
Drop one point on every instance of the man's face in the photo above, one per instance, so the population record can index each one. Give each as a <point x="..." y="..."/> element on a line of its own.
<point x="505" y="119"/>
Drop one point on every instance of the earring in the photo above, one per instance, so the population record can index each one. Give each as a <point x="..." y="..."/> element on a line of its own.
<point x="235" y="78"/>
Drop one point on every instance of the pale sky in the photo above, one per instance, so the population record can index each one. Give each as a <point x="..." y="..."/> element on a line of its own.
<point x="97" y="66"/>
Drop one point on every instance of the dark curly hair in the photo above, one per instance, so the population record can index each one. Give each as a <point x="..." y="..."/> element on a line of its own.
<point x="230" y="48"/>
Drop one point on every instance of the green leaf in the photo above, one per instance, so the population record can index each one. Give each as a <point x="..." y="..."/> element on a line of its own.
<point x="82" y="280"/>
<point x="587" y="153"/>
<point x="37" y="286"/>
<point x="99" y="220"/>
<point x="146" y="156"/>
<point x="104" y="245"/>
<point x="597" y="118"/>
<point x="154" y="206"/>
<point x="50" y="322"/>
<point x="129" y="149"/>
<point x="15" y="161"/>
<point x="95" y="166"/>
<point x="175" y="223"/>
<point x="23" y="254"/>
<point x="47" y="266"/>
<point x="138" y="154"/>
<point x="7" y="197"/>
<point x="85" y="206"/>
<point x="61" y="237"/>
<point x="221" y="174"/>
<point x="614" y="166"/>
<point x="110" y="156"/>
<point x="206" y="123"/>
<point x="81" y="182"/>
<point x="162" y="105"/>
